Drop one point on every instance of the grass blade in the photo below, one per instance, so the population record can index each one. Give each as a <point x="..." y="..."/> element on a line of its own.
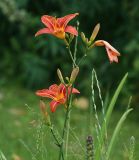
<point x="114" y="98"/>
<point x="116" y="131"/>
<point x="108" y="116"/>
<point x="132" y="148"/>
<point x="2" y="157"/>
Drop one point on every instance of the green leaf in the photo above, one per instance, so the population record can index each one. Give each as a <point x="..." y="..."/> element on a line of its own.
<point x="108" y="116"/>
<point x="116" y="132"/>
<point x="114" y="99"/>
<point x="2" y="157"/>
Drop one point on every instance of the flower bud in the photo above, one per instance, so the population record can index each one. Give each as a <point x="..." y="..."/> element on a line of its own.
<point x="74" y="74"/>
<point x="60" y="76"/>
<point x="84" y="38"/>
<point x="42" y="106"/>
<point x="47" y="119"/>
<point x="67" y="78"/>
<point x="95" y="32"/>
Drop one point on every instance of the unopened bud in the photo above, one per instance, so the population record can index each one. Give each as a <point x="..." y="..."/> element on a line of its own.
<point x="42" y="106"/>
<point x="95" y="32"/>
<point x="74" y="74"/>
<point x="89" y="43"/>
<point x="47" y="119"/>
<point x="84" y="38"/>
<point x="90" y="47"/>
<point x="60" y="76"/>
<point x="67" y="78"/>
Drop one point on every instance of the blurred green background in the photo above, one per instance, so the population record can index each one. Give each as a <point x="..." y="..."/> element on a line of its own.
<point x="28" y="63"/>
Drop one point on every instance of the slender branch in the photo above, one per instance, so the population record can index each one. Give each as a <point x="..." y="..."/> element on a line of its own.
<point x="83" y="57"/>
<point x="72" y="58"/>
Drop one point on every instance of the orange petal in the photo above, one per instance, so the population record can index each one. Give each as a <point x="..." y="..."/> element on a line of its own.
<point x="48" y="21"/>
<point x="45" y="93"/>
<point x="71" y="30"/>
<point x="74" y="91"/>
<point x="65" y="20"/>
<point x="106" y="44"/>
<point x="43" y="31"/>
<point x="54" y="88"/>
<point x="53" y="105"/>
<point x="112" y="56"/>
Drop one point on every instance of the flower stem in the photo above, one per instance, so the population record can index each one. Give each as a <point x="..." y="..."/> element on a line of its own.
<point x="76" y="41"/>
<point x="68" y="127"/>
<point x="72" y="58"/>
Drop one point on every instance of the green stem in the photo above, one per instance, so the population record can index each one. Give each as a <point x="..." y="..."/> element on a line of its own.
<point x="85" y="54"/>
<point x="68" y="127"/>
<point x="63" y="133"/>
<point x="57" y="142"/>
<point x="76" y="41"/>
<point x="72" y="58"/>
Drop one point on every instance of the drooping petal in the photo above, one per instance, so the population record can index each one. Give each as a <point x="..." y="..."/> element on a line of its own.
<point x="53" y="105"/>
<point x="111" y="48"/>
<point x="112" y="56"/>
<point x="48" y="21"/>
<point x="111" y="51"/>
<point x="73" y="90"/>
<point x="106" y="44"/>
<point x="43" y="31"/>
<point x="45" y="93"/>
<point x="65" y="20"/>
<point x="71" y="30"/>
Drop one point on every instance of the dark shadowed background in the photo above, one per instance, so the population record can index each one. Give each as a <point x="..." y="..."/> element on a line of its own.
<point x="32" y="62"/>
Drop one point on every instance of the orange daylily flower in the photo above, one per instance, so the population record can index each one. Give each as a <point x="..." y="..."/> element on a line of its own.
<point x="57" y="26"/>
<point x="58" y="94"/>
<point x="111" y="51"/>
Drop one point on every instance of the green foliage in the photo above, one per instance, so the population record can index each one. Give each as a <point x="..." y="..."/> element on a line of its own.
<point x="104" y="146"/>
<point x="21" y="125"/>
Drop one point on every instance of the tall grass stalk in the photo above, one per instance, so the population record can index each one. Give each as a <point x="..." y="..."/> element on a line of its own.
<point x="108" y="116"/>
<point x="116" y="132"/>
<point x="101" y="100"/>
<point x="132" y="148"/>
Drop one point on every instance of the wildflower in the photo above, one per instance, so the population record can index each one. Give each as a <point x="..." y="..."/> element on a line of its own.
<point x="111" y="51"/>
<point x="58" y="94"/>
<point x="57" y="26"/>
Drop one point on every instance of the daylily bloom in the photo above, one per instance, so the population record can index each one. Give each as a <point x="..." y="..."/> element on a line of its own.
<point x="58" y="94"/>
<point x="111" y="51"/>
<point x="57" y="26"/>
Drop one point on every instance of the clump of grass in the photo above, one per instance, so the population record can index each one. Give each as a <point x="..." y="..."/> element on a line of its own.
<point x="103" y="147"/>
